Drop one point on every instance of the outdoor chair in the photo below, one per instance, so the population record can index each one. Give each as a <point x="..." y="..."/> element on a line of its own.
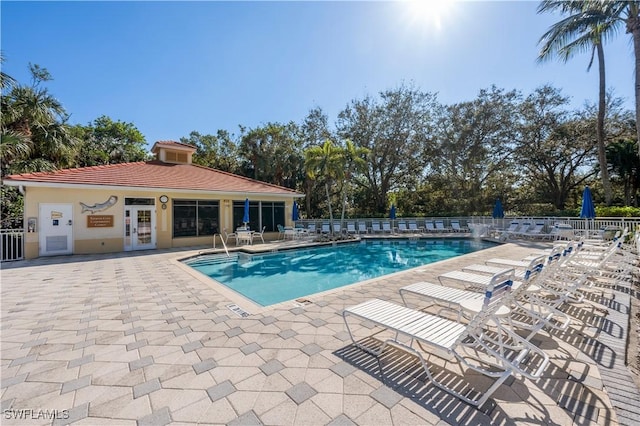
<point x="413" y="227"/>
<point x="311" y="228"/>
<point x="260" y="234"/>
<point x="455" y="225"/>
<point x="325" y="228"/>
<point x="228" y="235"/>
<point x="386" y="227"/>
<point x="469" y="279"/>
<point x="481" y="345"/>
<point x="528" y="307"/>
<point x="375" y="227"/>
<point x="428" y="226"/>
<point x="362" y="228"/>
<point x="337" y="228"/>
<point x="440" y="226"/>
<point x="351" y="228"/>
<point x="402" y="227"/>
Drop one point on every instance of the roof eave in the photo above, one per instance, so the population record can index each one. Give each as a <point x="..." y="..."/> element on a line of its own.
<point x="29" y="183"/>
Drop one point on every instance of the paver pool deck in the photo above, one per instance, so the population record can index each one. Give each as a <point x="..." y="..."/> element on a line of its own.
<point x="135" y="339"/>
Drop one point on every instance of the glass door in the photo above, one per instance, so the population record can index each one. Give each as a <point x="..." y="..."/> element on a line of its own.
<point x="139" y="228"/>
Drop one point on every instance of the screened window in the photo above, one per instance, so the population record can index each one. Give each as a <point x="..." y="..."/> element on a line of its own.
<point x="261" y="213"/>
<point x="195" y="218"/>
<point x="272" y="215"/>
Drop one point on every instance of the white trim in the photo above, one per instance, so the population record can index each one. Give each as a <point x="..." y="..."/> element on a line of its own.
<point x="143" y="188"/>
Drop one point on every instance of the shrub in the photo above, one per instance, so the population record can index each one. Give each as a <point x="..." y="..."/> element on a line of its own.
<point x="616" y="211"/>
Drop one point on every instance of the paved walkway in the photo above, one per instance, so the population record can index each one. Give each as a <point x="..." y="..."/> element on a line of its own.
<point x="135" y="339"/>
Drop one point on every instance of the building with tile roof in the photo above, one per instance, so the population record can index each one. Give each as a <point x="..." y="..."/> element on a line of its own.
<point x="163" y="203"/>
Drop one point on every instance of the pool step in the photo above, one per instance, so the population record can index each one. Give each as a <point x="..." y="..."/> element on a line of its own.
<point x="212" y="259"/>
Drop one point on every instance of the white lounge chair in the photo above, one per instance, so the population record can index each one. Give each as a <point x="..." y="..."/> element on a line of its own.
<point x="402" y="227"/>
<point x="428" y="225"/>
<point x="337" y="228"/>
<point x="311" y="228"/>
<point x="500" y="356"/>
<point x="455" y="225"/>
<point x="440" y="226"/>
<point x="469" y="279"/>
<point x="375" y="227"/>
<point x="326" y="229"/>
<point x="534" y="231"/>
<point x="362" y="228"/>
<point x="526" y="309"/>
<point x="351" y="228"/>
<point x="505" y="233"/>
<point x="386" y="227"/>
<point x="413" y="227"/>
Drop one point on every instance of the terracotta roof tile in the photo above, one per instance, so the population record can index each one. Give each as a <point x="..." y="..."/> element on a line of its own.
<point x="153" y="174"/>
<point x="169" y="144"/>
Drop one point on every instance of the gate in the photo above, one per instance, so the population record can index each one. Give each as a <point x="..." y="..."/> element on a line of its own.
<point x="12" y="244"/>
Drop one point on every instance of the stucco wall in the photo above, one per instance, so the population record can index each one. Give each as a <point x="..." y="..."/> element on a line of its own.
<point x="111" y="239"/>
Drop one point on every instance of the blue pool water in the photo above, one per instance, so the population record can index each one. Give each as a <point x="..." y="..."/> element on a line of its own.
<point x="276" y="277"/>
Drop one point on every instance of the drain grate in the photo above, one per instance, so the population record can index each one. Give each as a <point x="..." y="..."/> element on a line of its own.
<point x="238" y="310"/>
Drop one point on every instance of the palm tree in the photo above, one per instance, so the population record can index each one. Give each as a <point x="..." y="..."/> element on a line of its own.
<point x="325" y="161"/>
<point x="6" y="81"/>
<point x="583" y="30"/>
<point x="353" y="161"/>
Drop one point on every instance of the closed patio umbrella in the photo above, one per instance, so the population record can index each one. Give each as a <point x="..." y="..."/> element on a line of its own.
<point x="245" y="218"/>
<point x="294" y="212"/>
<point x="498" y="212"/>
<point x="587" y="211"/>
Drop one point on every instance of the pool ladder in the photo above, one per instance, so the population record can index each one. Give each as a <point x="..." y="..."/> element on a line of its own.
<point x="223" y="244"/>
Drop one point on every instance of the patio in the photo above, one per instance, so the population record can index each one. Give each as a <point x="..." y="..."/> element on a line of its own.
<point x="130" y="339"/>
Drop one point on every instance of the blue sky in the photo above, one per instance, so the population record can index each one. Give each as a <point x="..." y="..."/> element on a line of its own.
<point x="174" y="67"/>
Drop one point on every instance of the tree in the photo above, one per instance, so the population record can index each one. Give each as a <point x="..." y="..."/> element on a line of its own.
<point x="314" y="130"/>
<point x="35" y="136"/>
<point x="472" y="142"/>
<point x="326" y="162"/>
<point x="218" y="151"/>
<point x="395" y="130"/>
<point x="105" y="141"/>
<point x="353" y="163"/>
<point x="624" y="164"/>
<point x="583" y="30"/>
<point x="6" y="81"/>
<point x="272" y="153"/>
<point x="558" y="162"/>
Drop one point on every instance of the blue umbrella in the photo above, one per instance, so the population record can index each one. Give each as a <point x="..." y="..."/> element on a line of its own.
<point x="294" y="212"/>
<point x="245" y="218"/>
<point x="392" y="212"/>
<point x="498" y="212"/>
<point x="587" y="211"/>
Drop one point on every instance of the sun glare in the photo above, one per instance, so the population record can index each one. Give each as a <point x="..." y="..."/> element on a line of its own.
<point x="429" y="12"/>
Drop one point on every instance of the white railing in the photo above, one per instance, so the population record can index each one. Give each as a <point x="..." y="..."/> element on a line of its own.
<point x="223" y="243"/>
<point x="579" y="225"/>
<point x="11" y="244"/>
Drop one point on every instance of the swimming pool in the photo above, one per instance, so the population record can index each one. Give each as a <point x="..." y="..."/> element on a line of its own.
<point x="285" y="275"/>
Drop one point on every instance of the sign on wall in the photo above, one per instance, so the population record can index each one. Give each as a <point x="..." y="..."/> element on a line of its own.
<point x="98" y="207"/>
<point x="100" y="221"/>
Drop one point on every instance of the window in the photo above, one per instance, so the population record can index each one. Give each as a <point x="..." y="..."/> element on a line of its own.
<point x="261" y="213"/>
<point x="195" y="218"/>
<point x="272" y="215"/>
